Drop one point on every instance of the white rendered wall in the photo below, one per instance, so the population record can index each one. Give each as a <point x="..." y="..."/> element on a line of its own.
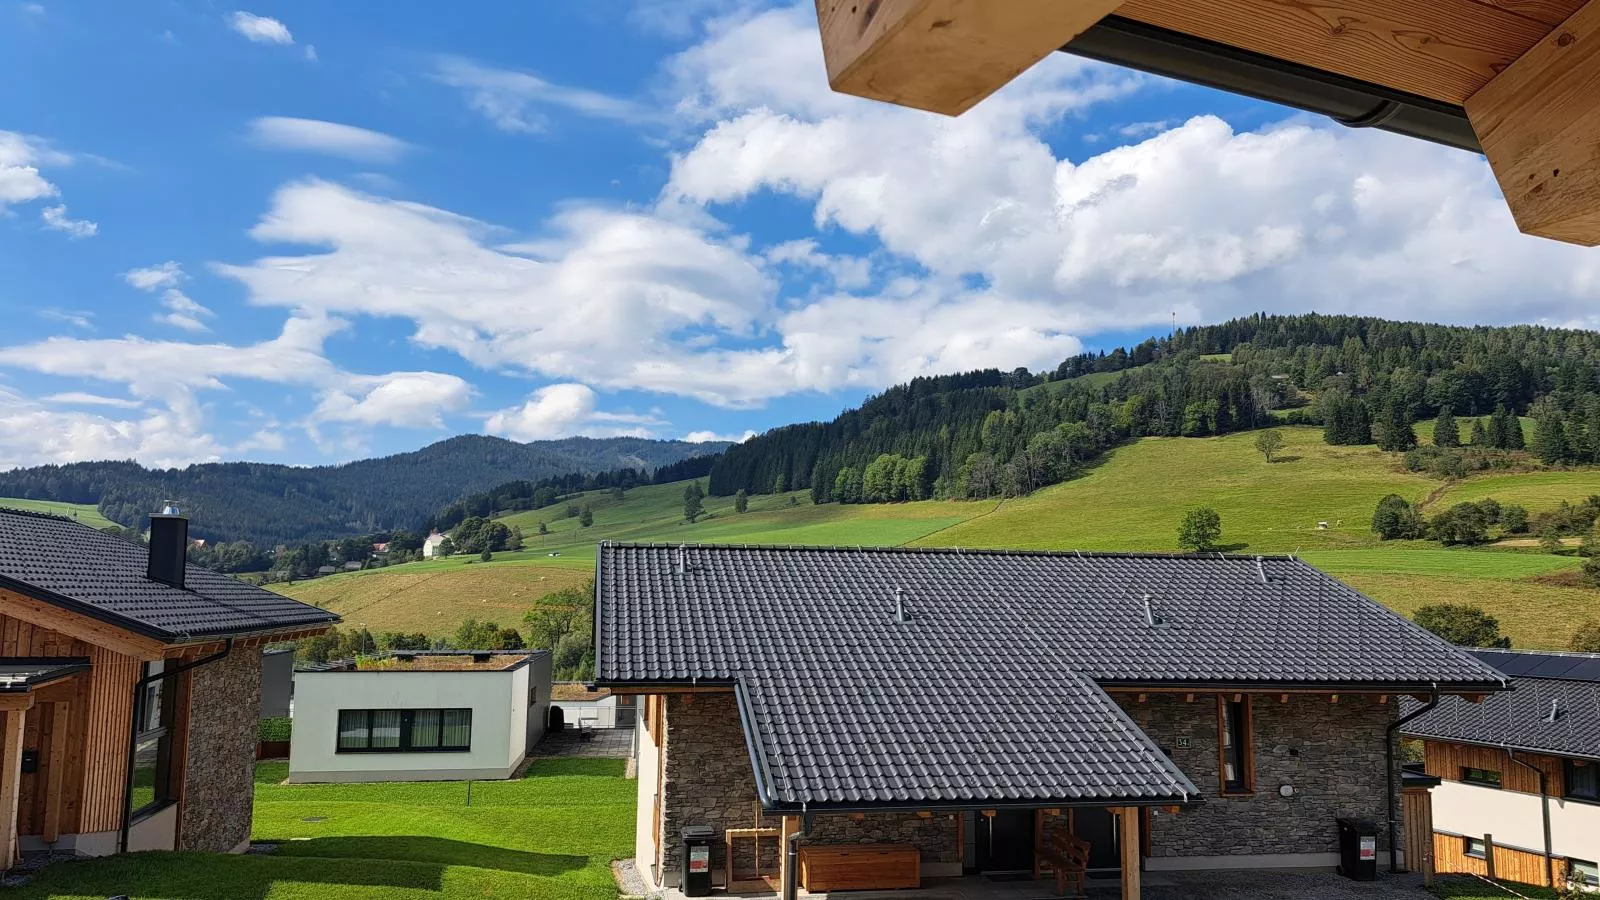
<point x="1515" y="819"/>
<point x="644" y="842"/>
<point x="499" y="717"/>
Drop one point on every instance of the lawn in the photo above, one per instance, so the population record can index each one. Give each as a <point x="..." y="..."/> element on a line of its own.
<point x="1134" y="500"/>
<point x="1455" y="887"/>
<point x="87" y="513"/>
<point x="1535" y="490"/>
<point x="549" y="836"/>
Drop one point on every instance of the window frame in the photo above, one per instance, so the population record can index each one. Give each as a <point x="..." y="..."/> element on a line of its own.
<point x="407" y="721"/>
<point x="1497" y="782"/>
<point x="158" y="728"/>
<point x="1466" y="848"/>
<point x="1567" y="768"/>
<point x="1238" y="713"/>
<point x="1585" y="881"/>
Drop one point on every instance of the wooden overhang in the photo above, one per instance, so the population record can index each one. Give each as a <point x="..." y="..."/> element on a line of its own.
<point x="1518" y="80"/>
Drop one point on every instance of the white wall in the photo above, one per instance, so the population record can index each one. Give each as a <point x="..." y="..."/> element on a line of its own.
<point x="644" y="842"/>
<point x="497" y="700"/>
<point x="1515" y="819"/>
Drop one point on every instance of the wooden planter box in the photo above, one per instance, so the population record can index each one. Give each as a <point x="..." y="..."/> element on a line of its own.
<point x="859" y="867"/>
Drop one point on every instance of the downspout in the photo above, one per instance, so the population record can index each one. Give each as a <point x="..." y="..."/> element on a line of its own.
<point x="791" y="871"/>
<point x="1391" y="799"/>
<point x="133" y="729"/>
<point x="1544" y="806"/>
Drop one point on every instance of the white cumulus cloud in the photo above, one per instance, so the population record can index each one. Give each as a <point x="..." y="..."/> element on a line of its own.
<point x="55" y="218"/>
<point x="404" y="399"/>
<point x="331" y="138"/>
<point x="260" y="29"/>
<point x="564" y="410"/>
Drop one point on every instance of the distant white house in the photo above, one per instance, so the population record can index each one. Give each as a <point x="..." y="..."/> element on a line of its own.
<point x="419" y="716"/>
<point x="430" y="546"/>
<point x="581" y="707"/>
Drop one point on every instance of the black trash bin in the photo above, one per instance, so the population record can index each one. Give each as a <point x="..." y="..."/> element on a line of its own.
<point x="697" y="860"/>
<point x="1358" y="849"/>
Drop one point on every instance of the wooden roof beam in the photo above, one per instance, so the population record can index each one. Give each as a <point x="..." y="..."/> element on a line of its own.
<point x="1539" y="124"/>
<point x="944" y="55"/>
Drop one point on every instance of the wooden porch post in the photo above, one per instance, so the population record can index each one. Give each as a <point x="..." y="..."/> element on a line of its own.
<point x="11" y="784"/>
<point x="60" y="722"/>
<point x="1128" y="839"/>
<point x="789" y="826"/>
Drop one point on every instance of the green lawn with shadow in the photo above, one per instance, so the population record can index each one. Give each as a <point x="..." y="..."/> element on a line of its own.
<point x="549" y="836"/>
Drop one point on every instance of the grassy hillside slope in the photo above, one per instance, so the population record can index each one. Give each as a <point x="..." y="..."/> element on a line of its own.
<point x="83" y="512"/>
<point x="1133" y="501"/>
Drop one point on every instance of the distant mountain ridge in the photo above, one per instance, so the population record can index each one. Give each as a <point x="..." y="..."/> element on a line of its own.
<point x="276" y="504"/>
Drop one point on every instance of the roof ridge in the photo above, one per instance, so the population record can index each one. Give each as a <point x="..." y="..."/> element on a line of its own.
<point x="966" y="551"/>
<point x="41" y="514"/>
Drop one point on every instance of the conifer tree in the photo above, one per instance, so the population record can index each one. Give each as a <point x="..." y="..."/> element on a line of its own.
<point x="1446" y="433"/>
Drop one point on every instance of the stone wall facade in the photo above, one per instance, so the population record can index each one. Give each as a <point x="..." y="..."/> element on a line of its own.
<point x="1332" y="754"/>
<point x="709" y="778"/>
<point x="938" y="837"/>
<point x="710" y="781"/>
<point x="219" y="782"/>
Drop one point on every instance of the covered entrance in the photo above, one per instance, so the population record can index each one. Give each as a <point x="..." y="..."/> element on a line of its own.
<point x="1005" y="841"/>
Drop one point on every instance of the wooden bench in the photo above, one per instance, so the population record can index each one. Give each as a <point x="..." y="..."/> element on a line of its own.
<point x="1068" y="857"/>
<point x="859" y="867"/>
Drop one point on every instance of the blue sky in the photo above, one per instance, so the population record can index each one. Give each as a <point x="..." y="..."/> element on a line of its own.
<point x="308" y="232"/>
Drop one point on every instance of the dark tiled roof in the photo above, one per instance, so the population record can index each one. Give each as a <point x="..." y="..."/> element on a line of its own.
<point x="988" y="692"/>
<point x="1520" y="718"/>
<point x="100" y="575"/>
<point x="22" y="674"/>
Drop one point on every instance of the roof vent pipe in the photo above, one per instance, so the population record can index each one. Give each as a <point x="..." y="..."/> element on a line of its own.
<point x="678" y="565"/>
<point x="1150" y="617"/>
<point x="1555" y="710"/>
<point x="900" y="606"/>
<point x="1261" y="571"/>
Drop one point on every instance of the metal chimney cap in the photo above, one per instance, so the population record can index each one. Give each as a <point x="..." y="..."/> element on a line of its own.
<point x="170" y="508"/>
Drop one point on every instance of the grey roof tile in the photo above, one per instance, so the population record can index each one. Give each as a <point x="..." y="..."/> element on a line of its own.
<point x="104" y="576"/>
<point x="1519" y="718"/>
<point x="989" y="691"/>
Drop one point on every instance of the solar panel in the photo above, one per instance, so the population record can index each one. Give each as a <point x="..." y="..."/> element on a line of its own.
<point x="1524" y="664"/>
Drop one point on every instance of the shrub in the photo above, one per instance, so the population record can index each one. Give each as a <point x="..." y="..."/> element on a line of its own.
<point x="275" y="729"/>
<point x="1462" y="625"/>
<point x="1200" y="529"/>
<point x="1464" y="523"/>
<point x="1587" y="638"/>
<point x="1514" y="519"/>
<point x="1396" y="519"/>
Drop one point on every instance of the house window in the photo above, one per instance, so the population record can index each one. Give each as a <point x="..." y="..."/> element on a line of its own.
<point x="404" y="730"/>
<point x="1482" y="777"/>
<point x="1582" y="780"/>
<point x="1237" y="754"/>
<point x="1583" y="873"/>
<point x="152" y="746"/>
<point x="1475" y="848"/>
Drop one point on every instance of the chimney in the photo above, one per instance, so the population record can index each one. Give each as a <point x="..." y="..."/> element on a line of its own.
<point x="169" y="546"/>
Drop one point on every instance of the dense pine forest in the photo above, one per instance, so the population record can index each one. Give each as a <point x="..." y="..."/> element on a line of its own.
<point x="1365" y="380"/>
<point x="274" y="504"/>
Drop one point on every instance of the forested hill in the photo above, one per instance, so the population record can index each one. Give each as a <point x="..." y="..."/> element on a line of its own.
<point x="990" y="432"/>
<point x="275" y="504"/>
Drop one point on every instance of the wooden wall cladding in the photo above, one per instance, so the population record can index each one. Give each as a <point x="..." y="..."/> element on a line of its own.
<point x="1445" y="760"/>
<point x="1442" y="49"/>
<point x="1510" y="864"/>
